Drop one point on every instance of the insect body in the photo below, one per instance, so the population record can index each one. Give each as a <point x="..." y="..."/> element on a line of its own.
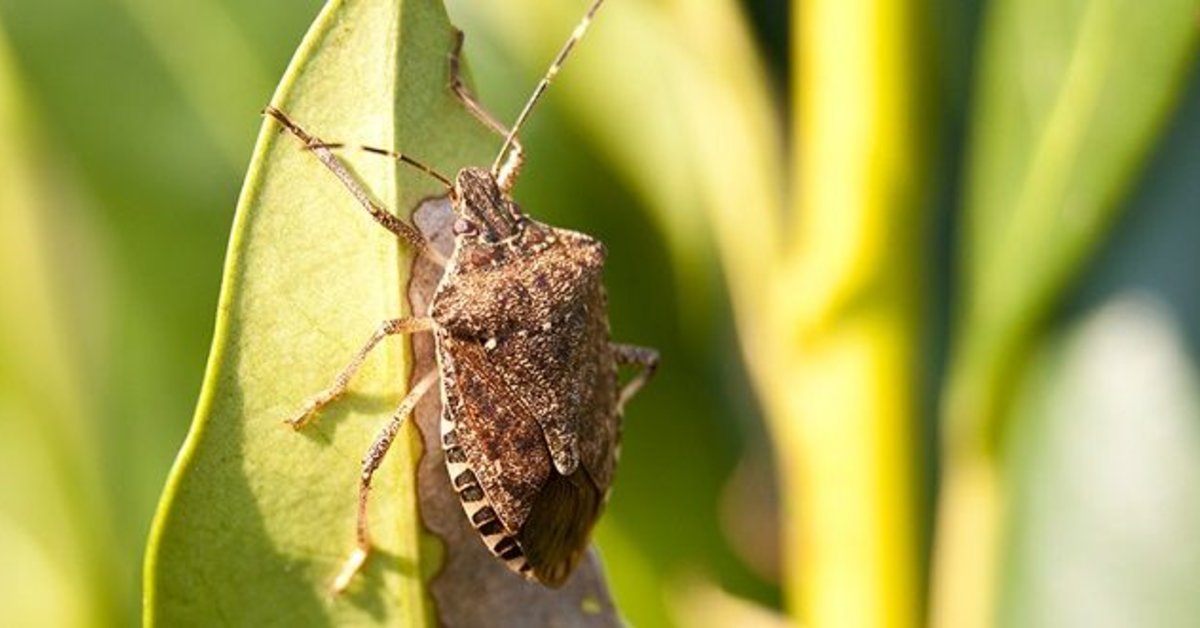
<point x="531" y="402"/>
<point x="529" y="380"/>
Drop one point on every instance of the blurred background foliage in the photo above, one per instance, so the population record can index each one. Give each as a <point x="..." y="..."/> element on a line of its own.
<point x="923" y="275"/>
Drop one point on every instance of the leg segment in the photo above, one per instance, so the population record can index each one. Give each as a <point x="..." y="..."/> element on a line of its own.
<point x="370" y="463"/>
<point x="335" y="165"/>
<point x="388" y="328"/>
<point x="460" y="89"/>
<point x="632" y="355"/>
<point x="507" y="174"/>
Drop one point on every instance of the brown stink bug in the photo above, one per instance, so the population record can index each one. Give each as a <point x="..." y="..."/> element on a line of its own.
<point x="528" y="376"/>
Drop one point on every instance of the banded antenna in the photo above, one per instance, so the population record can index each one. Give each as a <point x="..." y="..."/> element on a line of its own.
<point x="580" y="29"/>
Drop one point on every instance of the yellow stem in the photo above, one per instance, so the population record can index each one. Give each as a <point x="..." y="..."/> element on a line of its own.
<point x="844" y="395"/>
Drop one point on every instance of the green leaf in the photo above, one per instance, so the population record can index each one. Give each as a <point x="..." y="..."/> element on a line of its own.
<point x="255" y="518"/>
<point x="1071" y="97"/>
<point x="55" y="534"/>
<point x="1068" y="111"/>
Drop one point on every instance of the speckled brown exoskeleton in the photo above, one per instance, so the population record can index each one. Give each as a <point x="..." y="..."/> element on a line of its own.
<point x="530" y="392"/>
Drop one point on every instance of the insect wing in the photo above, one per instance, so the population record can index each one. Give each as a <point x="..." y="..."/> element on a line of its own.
<point x="499" y="436"/>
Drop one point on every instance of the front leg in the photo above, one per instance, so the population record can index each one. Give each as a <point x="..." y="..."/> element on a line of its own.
<point x="506" y="176"/>
<point x="633" y="355"/>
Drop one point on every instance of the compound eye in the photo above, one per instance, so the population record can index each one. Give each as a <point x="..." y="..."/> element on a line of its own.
<point x="462" y="226"/>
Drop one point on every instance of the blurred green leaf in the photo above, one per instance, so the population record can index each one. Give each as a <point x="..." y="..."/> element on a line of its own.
<point x="254" y="512"/>
<point x="1071" y="98"/>
<point x="145" y="276"/>
<point x="1103" y="450"/>
<point x="54" y="532"/>
<point x="209" y="58"/>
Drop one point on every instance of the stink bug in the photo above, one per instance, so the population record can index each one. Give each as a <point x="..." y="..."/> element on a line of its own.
<point x="531" y="402"/>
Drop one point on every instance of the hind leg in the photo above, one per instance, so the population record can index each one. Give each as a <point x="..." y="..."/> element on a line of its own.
<point x="370" y="463"/>
<point x="631" y="355"/>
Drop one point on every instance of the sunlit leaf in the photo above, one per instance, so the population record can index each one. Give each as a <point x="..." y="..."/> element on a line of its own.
<point x="256" y="519"/>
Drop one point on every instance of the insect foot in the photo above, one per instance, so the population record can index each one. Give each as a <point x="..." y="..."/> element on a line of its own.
<point x="305" y="415"/>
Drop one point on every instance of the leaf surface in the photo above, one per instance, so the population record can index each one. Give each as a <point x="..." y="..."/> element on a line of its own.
<point x="256" y="519"/>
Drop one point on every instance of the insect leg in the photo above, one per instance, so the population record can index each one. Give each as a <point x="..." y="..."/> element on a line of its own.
<point x="386" y="219"/>
<point x="508" y="172"/>
<point x="632" y="355"/>
<point x="388" y="328"/>
<point x="370" y="463"/>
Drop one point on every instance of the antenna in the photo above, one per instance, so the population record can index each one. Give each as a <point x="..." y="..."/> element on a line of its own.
<point x="580" y="29"/>
<point x="322" y="148"/>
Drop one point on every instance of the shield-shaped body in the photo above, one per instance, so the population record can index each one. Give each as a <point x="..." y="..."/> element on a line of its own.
<point x="530" y="425"/>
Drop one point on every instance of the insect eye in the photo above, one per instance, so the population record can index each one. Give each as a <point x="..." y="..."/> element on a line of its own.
<point x="462" y="226"/>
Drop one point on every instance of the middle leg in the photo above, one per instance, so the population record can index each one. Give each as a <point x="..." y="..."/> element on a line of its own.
<point x="335" y="390"/>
